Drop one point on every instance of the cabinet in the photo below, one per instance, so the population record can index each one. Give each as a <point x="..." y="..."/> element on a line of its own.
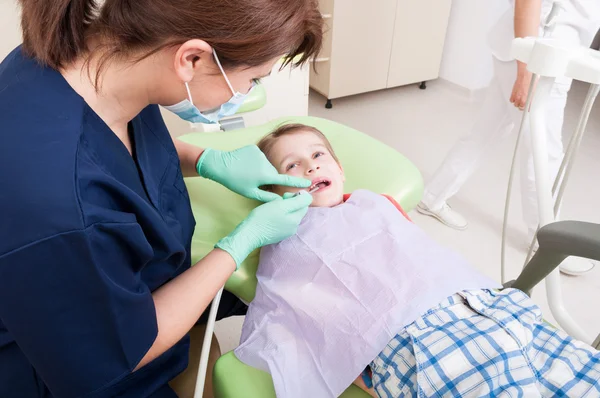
<point x="372" y="45"/>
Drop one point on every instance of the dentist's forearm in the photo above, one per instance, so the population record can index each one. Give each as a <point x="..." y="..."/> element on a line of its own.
<point x="527" y="17"/>
<point x="527" y="20"/>
<point x="188" y="156"/>
<point x="180" y="302"/>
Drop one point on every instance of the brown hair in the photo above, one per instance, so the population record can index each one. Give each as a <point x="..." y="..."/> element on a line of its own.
<point x="268" y="141"/>
<point x="245" y="33"/>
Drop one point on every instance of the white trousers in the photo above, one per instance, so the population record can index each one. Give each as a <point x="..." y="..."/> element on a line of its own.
<point x="497" y="119"/>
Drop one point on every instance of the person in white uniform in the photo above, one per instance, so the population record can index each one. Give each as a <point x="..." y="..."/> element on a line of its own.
<point x="501" y="113"/>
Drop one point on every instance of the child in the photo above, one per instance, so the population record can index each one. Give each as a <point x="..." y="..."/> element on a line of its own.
<point x="361" y="286"/>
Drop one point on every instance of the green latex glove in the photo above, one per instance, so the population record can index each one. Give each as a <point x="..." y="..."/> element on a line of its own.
<point x="267" y="224"/>
<point x="245" y="170"/>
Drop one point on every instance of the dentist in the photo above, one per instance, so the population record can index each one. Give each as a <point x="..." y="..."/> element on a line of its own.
<point x="96" y="291"/>
<point x="501" y="113"/>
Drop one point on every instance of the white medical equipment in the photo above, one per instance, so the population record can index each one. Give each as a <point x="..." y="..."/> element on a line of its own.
<point x="549" y="59"/>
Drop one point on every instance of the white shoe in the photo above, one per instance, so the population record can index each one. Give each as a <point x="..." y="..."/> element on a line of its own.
<point x="576" y="266"/>
<point x="445" y="215"/>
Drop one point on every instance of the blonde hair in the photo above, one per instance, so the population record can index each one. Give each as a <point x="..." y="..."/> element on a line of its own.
<point x="268" y="141"/>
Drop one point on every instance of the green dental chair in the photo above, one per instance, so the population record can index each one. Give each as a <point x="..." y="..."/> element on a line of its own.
<point x="218" y="211"/>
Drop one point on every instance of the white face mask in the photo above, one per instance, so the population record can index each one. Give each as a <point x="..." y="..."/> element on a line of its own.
<point x="188" y="111"/>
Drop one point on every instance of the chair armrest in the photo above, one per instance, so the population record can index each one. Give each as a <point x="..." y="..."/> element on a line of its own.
<point x="573" y="238"/>
<point x="558" y="241"/>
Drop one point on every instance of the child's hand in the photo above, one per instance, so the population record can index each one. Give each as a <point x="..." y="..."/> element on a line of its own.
<point x="361" y="384"/>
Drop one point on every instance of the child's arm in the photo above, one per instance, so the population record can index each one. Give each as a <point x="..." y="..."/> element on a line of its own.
<point x="361" y="383"/>
<point x="397" y="205"/>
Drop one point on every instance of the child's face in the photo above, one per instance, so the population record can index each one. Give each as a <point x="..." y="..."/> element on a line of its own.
<point x="303" y="154"/>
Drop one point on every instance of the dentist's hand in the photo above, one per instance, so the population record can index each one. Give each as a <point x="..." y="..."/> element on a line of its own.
<point x="245" y="170"/>
<point x="521" y="87"/>
<point x="267" y="224"/>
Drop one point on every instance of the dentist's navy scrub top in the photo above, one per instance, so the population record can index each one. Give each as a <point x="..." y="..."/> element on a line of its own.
<point x="87" y="232"/>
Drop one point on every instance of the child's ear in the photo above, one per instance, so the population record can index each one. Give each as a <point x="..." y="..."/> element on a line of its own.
<point x="342" y="173"/>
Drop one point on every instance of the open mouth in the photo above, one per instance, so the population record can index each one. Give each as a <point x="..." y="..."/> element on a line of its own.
<point x="319" y="184"/>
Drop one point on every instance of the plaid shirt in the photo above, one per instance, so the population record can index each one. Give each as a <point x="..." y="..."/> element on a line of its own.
<point x="485" y="344"/>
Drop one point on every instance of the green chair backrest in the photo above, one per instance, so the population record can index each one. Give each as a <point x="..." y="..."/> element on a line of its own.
<point x="255" y="100"/>
<point x="367" y="163"/>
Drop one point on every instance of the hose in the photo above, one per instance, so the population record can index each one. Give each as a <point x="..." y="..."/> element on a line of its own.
<point x="210" y="328"/>
<point x="525" y="118"/>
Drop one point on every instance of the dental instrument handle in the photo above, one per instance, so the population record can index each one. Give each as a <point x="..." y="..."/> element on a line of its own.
<point x="530" y="95"/>
<point x="210" y="328"/>
<point x="315" y="189"/>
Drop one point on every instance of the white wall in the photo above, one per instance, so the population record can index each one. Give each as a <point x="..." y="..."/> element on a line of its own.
<point x="467" y="57"/>
<point x="10" y="31"/>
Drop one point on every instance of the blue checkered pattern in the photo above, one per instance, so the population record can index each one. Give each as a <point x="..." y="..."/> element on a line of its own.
<point x="485" y="344"/>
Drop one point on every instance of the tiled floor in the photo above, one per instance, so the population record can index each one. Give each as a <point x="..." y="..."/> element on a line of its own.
<point x="424" y="125"/>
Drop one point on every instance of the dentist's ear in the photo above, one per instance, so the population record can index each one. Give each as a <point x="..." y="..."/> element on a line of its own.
<point x="191" y="56"/>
